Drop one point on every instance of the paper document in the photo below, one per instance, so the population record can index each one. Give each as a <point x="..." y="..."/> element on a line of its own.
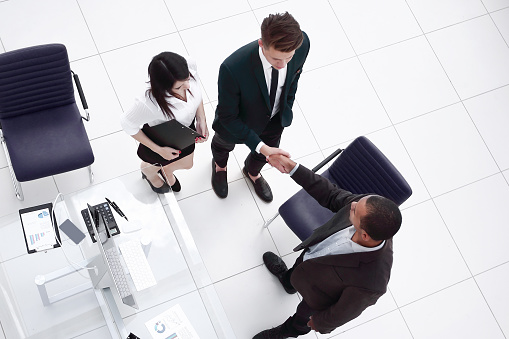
<point x="172" y="324"/>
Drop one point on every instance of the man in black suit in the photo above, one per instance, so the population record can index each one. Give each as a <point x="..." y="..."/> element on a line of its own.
<point x="256" y="91"/>
<point x="345" y="264"/>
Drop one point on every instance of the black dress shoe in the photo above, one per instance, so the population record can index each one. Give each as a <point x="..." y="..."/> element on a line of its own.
<point x="176" y="186"/>
<point x="273" y="333"/>
<point x="277" y="266"/>
<point x="219" y="181"/>
<point x="261" y="187"/>
<point x="161" y="190"/>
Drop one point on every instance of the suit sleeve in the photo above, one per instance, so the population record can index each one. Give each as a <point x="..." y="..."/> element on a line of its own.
<point x="322" y="190"/>
<point x="350" y="305"/>
<point x="228" y="109"/>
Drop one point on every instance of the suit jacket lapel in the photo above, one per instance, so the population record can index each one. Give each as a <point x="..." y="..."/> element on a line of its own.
<point x="260" y="76"/>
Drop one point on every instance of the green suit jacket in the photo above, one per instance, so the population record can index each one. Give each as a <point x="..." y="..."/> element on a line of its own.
<point x="243" y="110"/>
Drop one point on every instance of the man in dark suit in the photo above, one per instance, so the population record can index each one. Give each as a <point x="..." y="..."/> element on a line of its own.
<point x="345" y="264"/>
<point x="256" y="91"/>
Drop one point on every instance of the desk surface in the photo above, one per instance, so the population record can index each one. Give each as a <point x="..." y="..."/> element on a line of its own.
<point x="175" y="261"/>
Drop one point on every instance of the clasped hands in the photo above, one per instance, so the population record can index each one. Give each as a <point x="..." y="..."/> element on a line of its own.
<point x="278" y="158"/>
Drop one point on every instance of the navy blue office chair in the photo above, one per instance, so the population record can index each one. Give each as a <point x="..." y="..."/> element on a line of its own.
<point x="41" y="128"/>
<point x="360" y="168"/>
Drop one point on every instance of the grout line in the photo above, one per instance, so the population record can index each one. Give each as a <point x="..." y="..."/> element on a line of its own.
<point x="434" y="202"/>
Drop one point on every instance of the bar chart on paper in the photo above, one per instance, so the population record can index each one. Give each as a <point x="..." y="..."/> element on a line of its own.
<point x="34" y="238"/>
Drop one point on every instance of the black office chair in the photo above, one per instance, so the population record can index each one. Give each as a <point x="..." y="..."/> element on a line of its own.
<point x="41" y="128"/>
<point x="360" y="168"/>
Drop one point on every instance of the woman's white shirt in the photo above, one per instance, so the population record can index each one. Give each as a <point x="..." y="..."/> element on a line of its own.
<point x="145" y="109"/>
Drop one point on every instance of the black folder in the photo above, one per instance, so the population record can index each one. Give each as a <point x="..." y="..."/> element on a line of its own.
<point x="170" y="133"/>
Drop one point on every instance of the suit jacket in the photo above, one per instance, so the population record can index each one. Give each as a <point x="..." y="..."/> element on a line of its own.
<point x="341" y="286"/>
<point x="243" y="110"/>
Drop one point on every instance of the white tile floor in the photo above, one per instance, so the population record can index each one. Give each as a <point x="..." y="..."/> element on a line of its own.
<point x="427" y="81"/>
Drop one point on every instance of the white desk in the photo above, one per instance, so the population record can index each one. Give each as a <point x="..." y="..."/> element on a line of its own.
<point x="176" y="263"/>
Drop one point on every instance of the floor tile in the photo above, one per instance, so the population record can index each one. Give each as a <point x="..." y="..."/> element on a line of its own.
<point x="36" y="192"/>
<point x="27" y="23"/>
<point x="127" y="67"/>
<point x="449" y="314"/>
<point x="204" y="11"/>
<point x="464" y="226"/>
<point x="12" y="241"/>
<point x="118" y="23"/>
<point x="426" y="258"/>
<point x="493" y="5"/>
<point x="391" y="325"/>
<point x="354" y="110"/>
<point x="408" y="79"/>
<point x="493" y="287"/>
<point x="261" y="3"/>
<point x="436" y="14"/>
<point x="372" y="24"/>
<point x="474" y="55"/>
<point x="320" y="23"/>
<point x="109" y="151"/>
<point x="202" y="43"/>
<point x="389" y="142"/>
<point x="102" y="101"/>
<point x="489" y="113"/>
<point x="255" y="301"/>
<point x="384" y="305"/>
<point x="228" y="231"/>
<point x="501" y="19"/>
<point x="446" y="149"/>
<point x="3" y="159"/>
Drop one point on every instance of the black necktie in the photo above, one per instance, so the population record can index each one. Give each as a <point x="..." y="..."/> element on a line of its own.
<point x="273" y="87"/>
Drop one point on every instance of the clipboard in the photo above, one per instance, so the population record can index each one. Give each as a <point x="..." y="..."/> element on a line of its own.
<point x="171" y="133"/>
<point x="38" y="230"/>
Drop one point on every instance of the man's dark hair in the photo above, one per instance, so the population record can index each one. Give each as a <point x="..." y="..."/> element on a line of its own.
<point x="282" y="32"/>
<point x="382" y="219"/>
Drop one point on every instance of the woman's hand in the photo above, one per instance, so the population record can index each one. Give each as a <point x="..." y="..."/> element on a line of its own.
<point x="201" y="127"/>
<point x="168" y="153"/>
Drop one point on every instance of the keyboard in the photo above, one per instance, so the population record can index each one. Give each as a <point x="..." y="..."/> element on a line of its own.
<point x="105" y="210"/>
<point x="117" y="271"/>
<point x="137" y="264"/>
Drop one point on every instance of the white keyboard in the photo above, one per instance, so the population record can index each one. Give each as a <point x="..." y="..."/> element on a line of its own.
<point x="137" y="264"/>
<point x="118" y="272"/>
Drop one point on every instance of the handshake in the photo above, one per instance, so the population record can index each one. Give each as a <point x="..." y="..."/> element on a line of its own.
<point x="278" y="158"/>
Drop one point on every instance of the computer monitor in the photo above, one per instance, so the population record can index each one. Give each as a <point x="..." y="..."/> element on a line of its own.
<point x="110" y="272"/>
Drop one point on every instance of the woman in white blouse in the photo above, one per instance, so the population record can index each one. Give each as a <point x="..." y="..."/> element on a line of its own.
<point x="174" y="93"/>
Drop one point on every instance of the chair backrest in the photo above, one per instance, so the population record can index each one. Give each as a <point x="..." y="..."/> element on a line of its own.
<point x="34" y="79"/>
<point x="360" y="168"/>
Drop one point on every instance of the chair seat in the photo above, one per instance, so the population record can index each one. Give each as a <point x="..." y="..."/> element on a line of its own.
<point x="48" y="142"/>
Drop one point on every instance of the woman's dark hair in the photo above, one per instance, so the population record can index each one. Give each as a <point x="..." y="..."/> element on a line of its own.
<point x="383" y="218"/>
<point x="282" y="32"/>
<point x="164" y="70"/>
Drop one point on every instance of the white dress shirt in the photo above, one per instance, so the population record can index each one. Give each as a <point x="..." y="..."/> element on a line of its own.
<point x="267" y="71"/>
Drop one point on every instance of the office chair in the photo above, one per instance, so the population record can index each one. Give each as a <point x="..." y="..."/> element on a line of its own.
<point x="41" y="128"/>
<point x="360" y="168"/>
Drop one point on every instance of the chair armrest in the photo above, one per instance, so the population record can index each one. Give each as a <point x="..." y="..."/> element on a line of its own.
<point x="326" y="160"/>
<point x="82" y="95"/>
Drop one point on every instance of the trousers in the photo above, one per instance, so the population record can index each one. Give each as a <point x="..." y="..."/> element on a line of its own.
<point x="254" y="162"/>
